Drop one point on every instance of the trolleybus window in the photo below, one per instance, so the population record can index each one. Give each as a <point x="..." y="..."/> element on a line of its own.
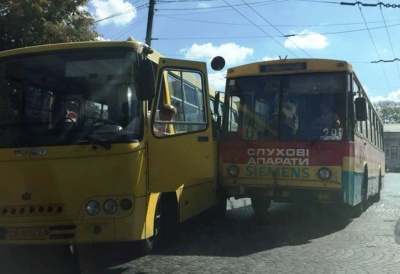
<point x="290" y="107"/>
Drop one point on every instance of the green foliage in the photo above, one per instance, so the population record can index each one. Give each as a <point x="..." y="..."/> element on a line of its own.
<point x="93" y="110"/>
<point x="35" y="22"/>
<point x="389" y="111"/>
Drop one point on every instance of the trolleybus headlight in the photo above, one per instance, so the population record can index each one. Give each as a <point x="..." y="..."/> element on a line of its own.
<point x="92" y="207"/>
<point x="233" y="170"/>
<point x="110" y="206"/>
<point x="324" y="173"/>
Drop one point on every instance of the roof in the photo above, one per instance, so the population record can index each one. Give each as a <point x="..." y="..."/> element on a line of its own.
<point x="391" y="128"/>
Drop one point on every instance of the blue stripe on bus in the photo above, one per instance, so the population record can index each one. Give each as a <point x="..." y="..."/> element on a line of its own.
<point x="351" y="184"/>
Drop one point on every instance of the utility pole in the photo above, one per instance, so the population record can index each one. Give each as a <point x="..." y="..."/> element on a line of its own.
<point x="150" y="22"/>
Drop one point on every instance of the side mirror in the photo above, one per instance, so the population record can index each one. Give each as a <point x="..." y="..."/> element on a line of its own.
<point x="145" y="80"/>
<point x="361" y="109"/>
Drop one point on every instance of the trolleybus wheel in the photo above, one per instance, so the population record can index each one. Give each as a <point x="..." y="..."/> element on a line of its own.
<point x="260" y="205"/>
<point x="219" y="209"/>
<point x="377" y="197"/>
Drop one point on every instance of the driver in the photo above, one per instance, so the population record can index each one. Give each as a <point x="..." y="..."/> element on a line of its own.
<point x="327" y="119"/>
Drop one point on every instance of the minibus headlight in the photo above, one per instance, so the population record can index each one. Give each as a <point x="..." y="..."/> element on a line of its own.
<point x="126" y="204"/>
<point x="233" y="170"/>
<point x="92" y="207"/>
<point x="110" y="207"/>
<point x="324" y="173"/>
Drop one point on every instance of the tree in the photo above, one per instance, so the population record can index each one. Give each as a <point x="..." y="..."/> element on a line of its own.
<point x="389" y="111"/>
<point x="34" y="22"/>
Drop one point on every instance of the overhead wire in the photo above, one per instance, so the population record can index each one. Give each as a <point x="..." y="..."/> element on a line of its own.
<point x="259" y="28"/>
<point x="130" y="27"/>
<point x="277" y="36"/>
<point x="122" y="12"/>
<point x="390" y="42"/>
<point x="380" y="4"/>
<point x="119" y="13"/>
<point x="228" y="6"/>
<point x="260" y="3"/>
<point x="373" y="43"/>
<point x="275" y="28"/>
<point x="357" y="3"/>
<point x="249" y="5"/>
<point x="173" y="16"/>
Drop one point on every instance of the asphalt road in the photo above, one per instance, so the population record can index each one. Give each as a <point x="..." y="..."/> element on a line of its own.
<point x="294" y="239"/>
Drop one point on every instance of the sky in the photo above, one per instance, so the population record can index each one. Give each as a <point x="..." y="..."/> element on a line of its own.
<point x="365" y="33"/>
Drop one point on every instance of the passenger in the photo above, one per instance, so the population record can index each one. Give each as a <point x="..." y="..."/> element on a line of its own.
<point x="166" y="113"/>
<point x="290" y="119"/>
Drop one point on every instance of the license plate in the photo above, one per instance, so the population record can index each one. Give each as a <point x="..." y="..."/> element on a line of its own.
<point x="27" y="234"/>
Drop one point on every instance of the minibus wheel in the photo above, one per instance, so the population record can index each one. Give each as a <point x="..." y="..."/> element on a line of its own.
<point x="218" y="211"/>
<point x="165" y="223"/>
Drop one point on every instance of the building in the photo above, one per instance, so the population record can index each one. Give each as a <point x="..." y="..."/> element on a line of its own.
<point x="391" y="138"/>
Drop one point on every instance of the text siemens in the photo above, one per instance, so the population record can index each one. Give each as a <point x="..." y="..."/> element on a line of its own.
<point x="278" y="172"/>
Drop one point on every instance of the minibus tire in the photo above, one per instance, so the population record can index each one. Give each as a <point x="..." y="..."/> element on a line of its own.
<point x="152" y="243"/>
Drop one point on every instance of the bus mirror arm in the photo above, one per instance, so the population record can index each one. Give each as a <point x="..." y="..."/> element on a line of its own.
<point x="216" y="102"/>
<point x="217" y="119"/>
<point x="218" y="127"/>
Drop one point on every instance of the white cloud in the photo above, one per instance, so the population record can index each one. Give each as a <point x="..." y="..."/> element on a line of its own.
<point x="307" y="40"/>
<point x="268" y="58"/>
<point x="217" y="80"/>
<point x="204" y="5"/>
<point x="232" y="53"/>
<point x="121" y="12"/>
<point x="393" y="96"/>
<point x="101" y="38"/>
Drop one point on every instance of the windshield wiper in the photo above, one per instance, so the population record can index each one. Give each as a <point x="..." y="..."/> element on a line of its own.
<point x="313" y="141"/>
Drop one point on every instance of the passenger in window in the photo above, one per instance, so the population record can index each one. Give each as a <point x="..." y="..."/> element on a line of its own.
<point x="290" y="119"/>
<point x="327" y="125"/>
<point x="166" y="113"/>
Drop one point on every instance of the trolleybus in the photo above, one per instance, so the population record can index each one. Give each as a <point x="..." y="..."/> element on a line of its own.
<point x="305" y="132"/>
